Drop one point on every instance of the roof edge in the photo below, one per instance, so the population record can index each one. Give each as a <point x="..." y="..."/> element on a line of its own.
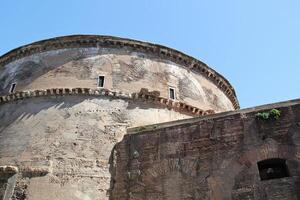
<point x="243" y="113"/>
<point x="76" y="41"/>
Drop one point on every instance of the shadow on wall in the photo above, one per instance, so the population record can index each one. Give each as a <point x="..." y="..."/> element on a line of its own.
<point x="30" y="70"/>
<point x="19" y="110"/>
<point x="76" y="64"/>
<point x="23" y="109"/>
<point x="112" y="171"/>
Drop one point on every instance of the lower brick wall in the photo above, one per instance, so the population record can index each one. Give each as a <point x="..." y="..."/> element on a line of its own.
<point x="210" y="158"/>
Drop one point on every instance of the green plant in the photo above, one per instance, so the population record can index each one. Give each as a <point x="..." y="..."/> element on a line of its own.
<point x="272" y="114"/>
<point x="275" y="113"/>
<point x="263" y="115"/>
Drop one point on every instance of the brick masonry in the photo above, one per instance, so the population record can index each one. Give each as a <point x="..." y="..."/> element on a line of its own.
<point x="212" y="157"/>
<point x="61" y="134"/>
<point x="59" y="126"/>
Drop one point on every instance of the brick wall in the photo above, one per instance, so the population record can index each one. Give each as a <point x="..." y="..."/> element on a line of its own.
<point x="213" y="157"/>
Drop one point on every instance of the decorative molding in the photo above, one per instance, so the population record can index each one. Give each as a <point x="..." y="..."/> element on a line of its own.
<point x="81" y="41"/>
<point x="164" y="102"/>
<point x="8" y="169"/>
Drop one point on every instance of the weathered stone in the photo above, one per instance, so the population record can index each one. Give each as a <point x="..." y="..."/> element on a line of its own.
<point x="64" y="136"/>
<point x="213" y="157"/>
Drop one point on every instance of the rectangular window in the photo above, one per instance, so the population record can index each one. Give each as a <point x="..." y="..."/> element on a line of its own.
<point x="171" y="93"/>
<point x="12" y="88"/>
<point x="100" y="81"/>
<point x="272" y="168"/>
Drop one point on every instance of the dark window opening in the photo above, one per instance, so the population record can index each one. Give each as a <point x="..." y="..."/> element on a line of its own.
<point x="100" y="81"/>
<point x="171" y="93"/>
<point x="12" y="88"/>
<point x="272" y="169"/>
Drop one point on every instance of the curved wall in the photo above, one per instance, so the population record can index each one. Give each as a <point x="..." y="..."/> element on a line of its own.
<point x="62" y="145"/>
<point x="58" y="128"/>
<point x="125" y="69"/>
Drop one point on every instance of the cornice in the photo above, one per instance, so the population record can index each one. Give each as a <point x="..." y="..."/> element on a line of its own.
<point x="160" y="101"/>
<point x="79" y="41"/>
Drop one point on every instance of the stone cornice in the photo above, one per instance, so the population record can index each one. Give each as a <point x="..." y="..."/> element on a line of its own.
<point x="160" y="101"/>
<point x="77" y="41"/>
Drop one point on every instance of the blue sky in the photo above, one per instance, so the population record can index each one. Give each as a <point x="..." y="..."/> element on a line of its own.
<point x="255" y="44"/>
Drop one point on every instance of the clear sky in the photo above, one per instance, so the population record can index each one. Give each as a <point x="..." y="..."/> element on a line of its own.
<point x="255" y="44"/>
